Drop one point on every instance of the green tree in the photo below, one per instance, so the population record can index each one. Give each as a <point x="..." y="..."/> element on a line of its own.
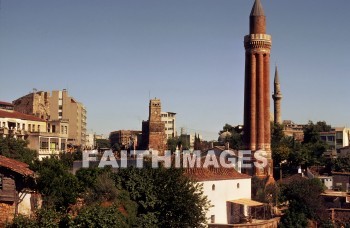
<point x="103" y="143"/>
<point x="293" y="219"/>
<point x="57" y="185"/>
<point x="45" y="217"/>
<point x="305" y="202"/>
<point x="98" y="216"/>
<point x="17" y="149"/>
<point x="235" y="138"/>
<point x="277" y="133"/>
<point x="312" y="131"/>
<point x="172" y="143"/>
<point x="184" y="142"/>
<point x="165" y="197"/>
<point x="340" y="164"/>
<point x="87" y="176"/>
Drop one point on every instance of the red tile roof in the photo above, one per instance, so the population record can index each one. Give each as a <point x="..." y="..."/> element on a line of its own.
<point x="18" y="115"/>
<point x="16" y="166"/>
<point x="211" y="173"/>
<point x="290" y="179"/>
<point x="6" y="103"/>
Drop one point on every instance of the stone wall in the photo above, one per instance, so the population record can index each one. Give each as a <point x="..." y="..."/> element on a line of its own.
<point x="7" y="212"/>
<point x="272" y="223"/>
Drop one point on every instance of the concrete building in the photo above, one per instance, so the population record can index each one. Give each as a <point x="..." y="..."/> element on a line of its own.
<point x="341" y="181"/>
<point x="277" y="97"/>
<point x="90" y="141"/>
<point x="337" y="138"/>
<point x="229" y="193"/>
<point x="36" y="103"/>
<point x="153" y="130"/>
<point x="126" y="138"/>
<point x="293" y="130"/>
<point x="257" y="89"/>
<point x="189" y="139"/>
<point x="62" y="106"/>
<point x="56" y="106"/>
<point x="46" y="137"/>
<point x="222" y="186"/>
<point x="6" y="105"/>
<point x="169" y="120"/>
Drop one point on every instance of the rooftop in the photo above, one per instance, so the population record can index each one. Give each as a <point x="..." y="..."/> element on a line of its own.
<point x="3" y="103"/>
<point x="16" y="166"/>
<point x="212" y="174"/>
<point x="18" y="115"/>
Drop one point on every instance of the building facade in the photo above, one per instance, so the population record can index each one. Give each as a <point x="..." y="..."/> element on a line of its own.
<point x="56" y="106"/>
<point x="36" y="103"/>
<point x="6" y="105"/>
<point x="337" y="138"/>
<point x="257" y="89"/>
<point x="222" y="186"/>
<point x="293" y="130"/>
<point x="169" y="120"/>
<point x="126" y="138"/>
<point x="46" y="137"/>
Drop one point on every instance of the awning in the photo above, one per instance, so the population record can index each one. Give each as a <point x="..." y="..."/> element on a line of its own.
<point x="248" y="202"/>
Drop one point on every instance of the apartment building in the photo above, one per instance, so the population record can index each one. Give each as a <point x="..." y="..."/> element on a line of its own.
<point x="46" y="137"/>
<point x="336" y="138"/>
<point x="56" y="106"/>
<point x="169" y="120"/>
<point x="126" y="138"/>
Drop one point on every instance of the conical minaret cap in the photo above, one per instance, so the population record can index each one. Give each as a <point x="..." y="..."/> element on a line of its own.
<point x="277" y="79"/>
<point x="257" y="9"/>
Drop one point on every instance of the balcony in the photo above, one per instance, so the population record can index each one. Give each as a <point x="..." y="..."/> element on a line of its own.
<point x="43" y="153"/>
<point x="4" y="131"/>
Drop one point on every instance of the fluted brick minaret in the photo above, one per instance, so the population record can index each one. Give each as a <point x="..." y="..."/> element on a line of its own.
<point x="277" y="97"/>
<point x="257" y="88"/>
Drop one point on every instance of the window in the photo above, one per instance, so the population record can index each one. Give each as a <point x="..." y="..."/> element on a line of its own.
<point x="237" y="185"/>
<point x="212" y="219"/>
<point x="213" y="187"/>
<point x="29" y="127"/>
<point x="1" y="181"/>
<point x="54" y="128"/>
<point x="23" y="126"/>
<point x="331" y="138"/>
<point x="38" y="128"/>
<point x="44" y="145"/>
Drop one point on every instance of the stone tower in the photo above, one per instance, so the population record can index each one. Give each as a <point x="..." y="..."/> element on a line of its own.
<point x="153" y="130"/>
<point x="257" y="89"/>
<point x="277" y="97"/>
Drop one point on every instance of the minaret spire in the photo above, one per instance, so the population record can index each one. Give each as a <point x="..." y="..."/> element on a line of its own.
<point x="257" y="9"/>
<point x="257" y="19"/>
<point x="277" y="97"/>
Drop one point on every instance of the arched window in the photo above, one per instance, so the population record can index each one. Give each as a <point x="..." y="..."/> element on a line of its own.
<point x="237" y="185"/>
<point x="213" y="187"/>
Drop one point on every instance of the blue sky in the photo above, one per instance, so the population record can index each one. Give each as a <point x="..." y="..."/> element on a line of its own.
<point x="110" y="54"/>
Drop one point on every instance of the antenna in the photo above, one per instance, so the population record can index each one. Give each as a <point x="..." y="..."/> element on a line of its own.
<point x="149" y="94"/>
